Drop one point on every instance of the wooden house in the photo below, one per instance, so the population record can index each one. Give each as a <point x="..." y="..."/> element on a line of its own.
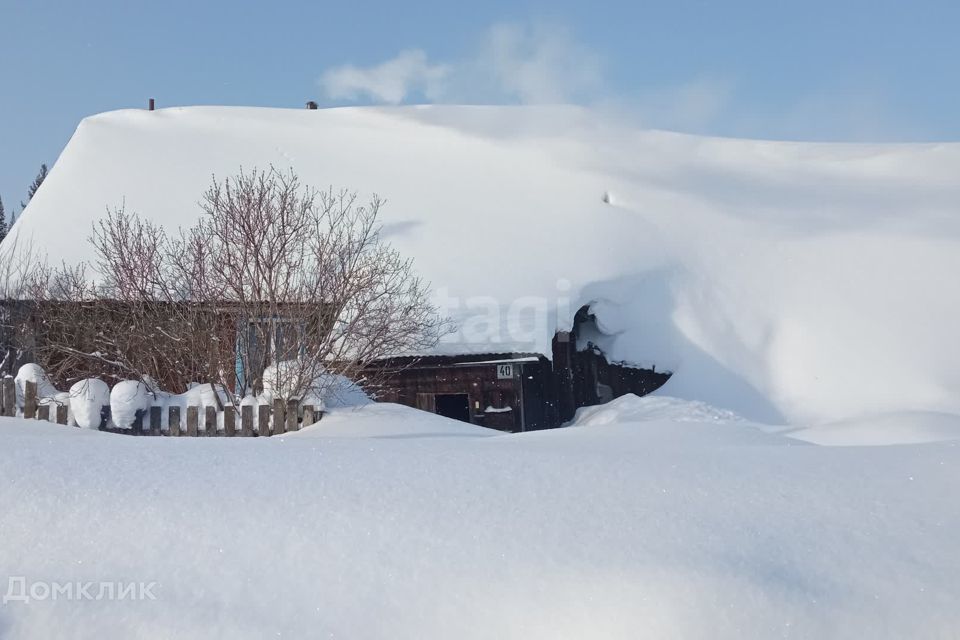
<point x="516" y="391"/>
<point x="506" y="391"/>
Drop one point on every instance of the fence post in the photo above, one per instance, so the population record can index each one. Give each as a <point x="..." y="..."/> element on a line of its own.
<point x="229" y="421"/>
<point x="43" y="412"/>
<point x="246" y="421"/>
<point x="292" y="423"/>
<point x="192" y="420"/>
<point x="9" y="397"/>
<point x="278" y="423"/>
<point x="173" y="421"/>
<point x="30" y="399"/>
<point x="61" y="414"/>
<point x="210" y="421"/>
<point x="263" y="420"/>
<point x="307" y="415"/>
<point x="155" y="413"/>
<point x="137" y="427"/>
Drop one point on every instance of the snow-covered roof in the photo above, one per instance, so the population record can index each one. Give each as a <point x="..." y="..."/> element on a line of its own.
<point x="502" y="361"/>
<point x="460" y="359"/>
<point x="785" y="281"/>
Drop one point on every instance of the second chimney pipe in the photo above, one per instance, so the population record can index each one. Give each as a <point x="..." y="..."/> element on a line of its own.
<point x="151" y="104"/>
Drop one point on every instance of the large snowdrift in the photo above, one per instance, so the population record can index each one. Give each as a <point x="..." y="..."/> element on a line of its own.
<point x="787" y="282"/>
<point x="638" y="527"/>
<point x="389" y="420"/>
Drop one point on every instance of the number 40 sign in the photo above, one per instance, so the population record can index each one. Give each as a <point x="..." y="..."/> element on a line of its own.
<point x="504" y="371"/>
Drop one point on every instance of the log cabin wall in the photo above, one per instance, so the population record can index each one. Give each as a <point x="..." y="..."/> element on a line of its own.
<point x="509" y="394"/>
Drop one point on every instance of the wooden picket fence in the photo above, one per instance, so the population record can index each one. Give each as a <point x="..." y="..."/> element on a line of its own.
<point x="263" y="420"/>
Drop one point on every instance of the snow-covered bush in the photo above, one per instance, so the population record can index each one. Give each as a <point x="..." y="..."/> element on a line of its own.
<point x="87" y="399"/>
<point x="251" y="400"/>
<point x="316" y="280"/>
<point x="324" y="391"/>
<point x="31" y="372"/>
<point x="202" y="395"/>
<point x="283" y="380"/>
<point x="127" y="399"/>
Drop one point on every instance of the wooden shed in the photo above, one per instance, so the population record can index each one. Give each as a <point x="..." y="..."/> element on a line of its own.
<point x="517" y="391"/>
<point x="506" y="391"/>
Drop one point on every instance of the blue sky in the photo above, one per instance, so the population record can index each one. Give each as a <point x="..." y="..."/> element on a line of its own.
<point x="842" y="70"/>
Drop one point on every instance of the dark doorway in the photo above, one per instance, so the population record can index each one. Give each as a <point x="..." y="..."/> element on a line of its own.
<point x="453" y="405"/>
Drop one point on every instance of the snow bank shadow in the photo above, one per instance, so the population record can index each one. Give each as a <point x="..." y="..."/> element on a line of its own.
<point x="420" y="436"/>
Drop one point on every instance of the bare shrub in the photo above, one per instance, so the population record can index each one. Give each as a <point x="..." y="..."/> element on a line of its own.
<point x="273" y="272"/>
<point x="21" y="268"/>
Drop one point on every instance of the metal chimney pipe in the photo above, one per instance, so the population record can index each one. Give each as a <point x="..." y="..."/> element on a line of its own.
<point x="150" y="108"/>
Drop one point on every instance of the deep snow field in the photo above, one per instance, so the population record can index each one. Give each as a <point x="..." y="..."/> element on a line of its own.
<point x="650" y="518"/>
<point x="797" y="477"/>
